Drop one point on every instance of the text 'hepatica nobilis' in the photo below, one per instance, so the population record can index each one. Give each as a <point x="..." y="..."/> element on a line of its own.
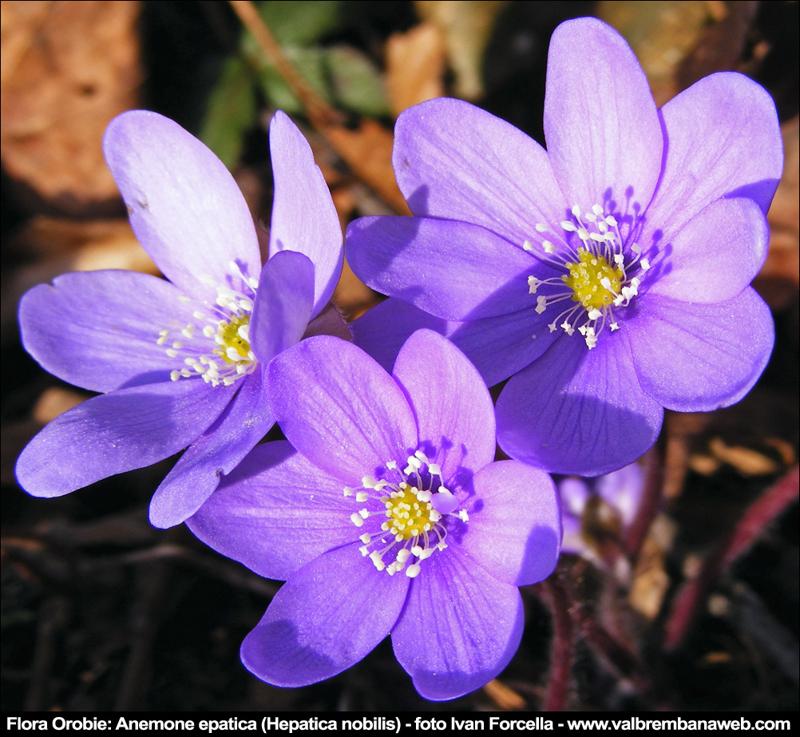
<point x="386" y="513"/>
<point x="607" y="277"/>
<point x="180" y="362"/>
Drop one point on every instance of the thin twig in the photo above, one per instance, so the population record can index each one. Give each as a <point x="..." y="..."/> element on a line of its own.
<point x="52" y="619"/>
<point x="318" y="110"/>
<point x="230" y="573"/>
<point x="145" y="620"/>
<point x="693" y="594"/>
<point x="366" y="149"/>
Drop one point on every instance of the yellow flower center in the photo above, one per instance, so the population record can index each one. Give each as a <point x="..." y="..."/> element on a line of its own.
<point x="586" y="278"/>
<point x="409" y="513"/>
<point x="233" y="339"/>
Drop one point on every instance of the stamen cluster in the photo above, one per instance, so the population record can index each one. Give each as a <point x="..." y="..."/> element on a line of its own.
<point x="415" y="504"/>
<point x="217" y="346"/>
<point x="602" y="273"/>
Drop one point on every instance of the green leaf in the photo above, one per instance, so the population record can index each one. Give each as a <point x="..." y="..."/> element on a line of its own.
<point x="230" y="111"/>
<point x="341" y="75"/>
<point x="310" y="63"/>
<point x="356" y="83"/>
<point x="301" y="23"/>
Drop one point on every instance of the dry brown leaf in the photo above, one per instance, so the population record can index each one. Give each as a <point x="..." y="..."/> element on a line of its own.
<point x="467" y="27"/>
<point x="352" y="296"/>
<point x="650" y="580"/>
<point x="681" y="429"/>
<point x="54" y="402"/>
<point x="784" y="448"/>
<point x="414" y="66"/>
<point x="746" y="461"/>
<point x="503" y="697"/>
<point x="721" y="45"/>
<point x="661" y="34"/>
<point x="367" y="150"/>
<point x="763" y="425"/>
<point x="780" y="275"/>
<point x="704" y="464"/>
<point x="67" y="69"/>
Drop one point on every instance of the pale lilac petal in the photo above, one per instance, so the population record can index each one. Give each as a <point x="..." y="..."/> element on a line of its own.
<point x="459" y="628"/>
<point x="339" y="408"/>
<point x="600" y="122"/>
<point x="723" y="140"/>
<point x="514" y="528"/>
<point x="184" y="205"/>
<point x="497" y="346"/>
<point x="325" y="618"/>
<point x="303" y="216"/>
<point x="574" y="494"/>
<point x="451" y="269"/>
<point x="275" y="513"/>
<point x="572" y="540"/>
<point x="454" y="160"/>
<point x="283" y="304"/>
<point x="116" y="432"/>
<point x="623" y="490"/>
<point x="715" y="255"/>
<point x="213" y="455"/>
<point x="98" y="329"/>
<point x="454" y="411"/>
<point x="697" y="357"/>
<point x="577" y="410"/>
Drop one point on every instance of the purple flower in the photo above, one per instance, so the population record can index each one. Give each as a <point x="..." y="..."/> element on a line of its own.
<point x="608" y="276"/>
<point x="385" y="513"/>
<point x="181" y="362"/>
<point x="598" y="507"/>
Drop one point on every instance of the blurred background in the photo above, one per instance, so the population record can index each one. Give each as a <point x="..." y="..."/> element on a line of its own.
<point x="694" y="608"/>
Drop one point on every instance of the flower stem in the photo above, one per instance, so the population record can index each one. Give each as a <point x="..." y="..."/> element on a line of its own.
<point x="650" y="503"/>
<point x="562" y="648"/>
<point x="617" y="655"/>
<point x="692" y="595"/>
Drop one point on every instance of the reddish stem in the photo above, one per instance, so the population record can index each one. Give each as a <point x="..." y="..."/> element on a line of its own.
<point x="650" y="503"/>
<point x="692" y="595"/>
<point x="562" y="648"/>
<point x="618" y="656"/>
